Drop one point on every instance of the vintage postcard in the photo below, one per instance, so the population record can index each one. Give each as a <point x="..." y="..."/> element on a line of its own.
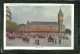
<point x="38" y="26"/>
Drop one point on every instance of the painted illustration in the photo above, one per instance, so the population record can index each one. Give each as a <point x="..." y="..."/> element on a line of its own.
<point x="38" y="25"/>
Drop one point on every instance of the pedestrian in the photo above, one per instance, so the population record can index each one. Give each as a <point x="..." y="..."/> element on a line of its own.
<point x="28" y="40"/>
<point x="10" y="35"/>
<point x="38" y="42"/>
<point x="35" y="42"/>
<point x="55" y="40"/>
<point x="59" y="40"/>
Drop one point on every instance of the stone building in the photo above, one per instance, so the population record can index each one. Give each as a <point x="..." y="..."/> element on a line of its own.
<point x="39" y="26"/>
<point x="8" y="14"/>
<point x="60" y="21"/>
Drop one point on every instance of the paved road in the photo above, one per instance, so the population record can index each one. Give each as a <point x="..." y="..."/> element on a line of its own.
<point x="43" y="42"/>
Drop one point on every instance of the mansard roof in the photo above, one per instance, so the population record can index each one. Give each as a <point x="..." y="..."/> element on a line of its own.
<point x="43" y="23"/>
<point x="21" y="25"/>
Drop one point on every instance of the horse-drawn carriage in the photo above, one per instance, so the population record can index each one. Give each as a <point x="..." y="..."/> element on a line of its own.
<point x="11" y="37"/>
<point x="50" y="39"/>
<point x="25" y="38"/>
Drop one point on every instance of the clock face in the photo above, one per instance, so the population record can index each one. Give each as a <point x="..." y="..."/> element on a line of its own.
<point x="61" y="18"/>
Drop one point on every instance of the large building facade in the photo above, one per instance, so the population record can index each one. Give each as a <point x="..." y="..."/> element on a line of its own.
<point x="39" y="26"/>
<point x="8" y="14"/>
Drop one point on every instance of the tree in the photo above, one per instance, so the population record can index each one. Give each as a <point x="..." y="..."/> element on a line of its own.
<point x="11" y="26"/>
<point x="68" y="31"/>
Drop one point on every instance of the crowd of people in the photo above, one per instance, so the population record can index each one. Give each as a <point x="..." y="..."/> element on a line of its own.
<point x="26" y="37"/>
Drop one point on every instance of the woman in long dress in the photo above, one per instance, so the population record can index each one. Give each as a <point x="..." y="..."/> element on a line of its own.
<point x="55" y="40"/>
<point x="59" y="40"/>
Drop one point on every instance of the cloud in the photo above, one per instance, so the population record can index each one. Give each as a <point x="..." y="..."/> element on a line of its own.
<point x="31" y="13"/>
<point x="68" y="27"/>
<point x="21" y="14"/>
<point x="67" y="20"/>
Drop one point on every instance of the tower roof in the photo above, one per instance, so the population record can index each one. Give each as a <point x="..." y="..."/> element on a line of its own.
<point x="60" y="11"/>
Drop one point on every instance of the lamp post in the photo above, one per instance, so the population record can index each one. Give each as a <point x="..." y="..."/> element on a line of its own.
<point x="51" y="28"/>
<point x="38" y="28"/>
<point x="24" y="29"/>
<point x="61" y="29"/>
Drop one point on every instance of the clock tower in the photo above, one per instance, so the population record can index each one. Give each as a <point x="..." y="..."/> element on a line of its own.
<point x="60" y="20"/>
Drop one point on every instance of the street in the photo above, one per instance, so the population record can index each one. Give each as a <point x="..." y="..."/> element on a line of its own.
<point x="42" y="42"/>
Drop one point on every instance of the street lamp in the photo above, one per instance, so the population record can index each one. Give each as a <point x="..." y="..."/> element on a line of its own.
<point x="24" y="28"/>
<point x="61" y="29"/>
<point x="51" y="28"/>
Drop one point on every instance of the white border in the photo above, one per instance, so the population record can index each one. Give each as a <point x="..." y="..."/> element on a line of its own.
<point x="39" y="48"/>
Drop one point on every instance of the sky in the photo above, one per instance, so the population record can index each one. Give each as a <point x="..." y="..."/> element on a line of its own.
<point x="22" y="14"/>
